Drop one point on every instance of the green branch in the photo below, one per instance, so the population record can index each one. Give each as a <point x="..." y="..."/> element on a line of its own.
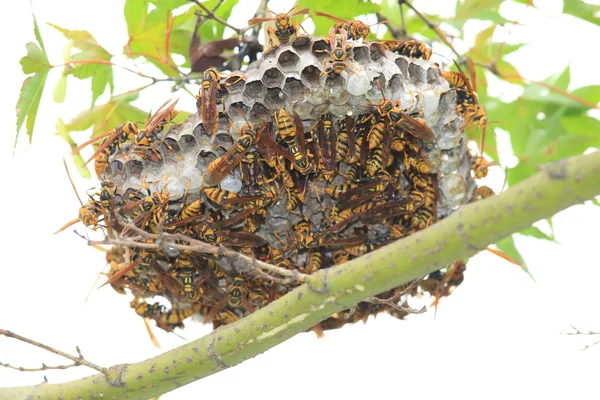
<point x="463" y="234"/>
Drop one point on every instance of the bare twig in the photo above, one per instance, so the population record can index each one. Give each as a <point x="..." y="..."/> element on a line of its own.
<point x="173" y="240"/>
<point x="210" y="14"/>
<point x="391" y="303"/>
<point x="433" y="26"/>
<point x="580" y="333"/>
<point x="79" y="360"/>
<point x="398" y="34"/>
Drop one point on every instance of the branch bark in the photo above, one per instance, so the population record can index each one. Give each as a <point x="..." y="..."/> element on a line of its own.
<point x="463" y="234"/>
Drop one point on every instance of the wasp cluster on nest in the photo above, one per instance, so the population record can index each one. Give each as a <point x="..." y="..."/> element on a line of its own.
<point x="319" y="152"/>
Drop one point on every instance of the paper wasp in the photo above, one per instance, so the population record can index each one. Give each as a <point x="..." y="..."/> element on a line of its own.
<point x="327" y="146"/>
<point x="292" y="134"/>
<point x="354" y="29"/>
<point x="155" y="125"/>
<point x="222" y="166"/>
<point x="166" y="320"/>
<point x="408" y="48"/>
<point x="339" y="54"/>
<point x="111" y="141"/>
<point x="284" y="29"/>
<point x="208" y="101"/>
<point x="226" y="199"/>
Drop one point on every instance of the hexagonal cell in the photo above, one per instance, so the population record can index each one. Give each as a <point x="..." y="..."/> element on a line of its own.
<point x="272" y="78"/>
<point x="320" y="109"/>
<point x="311" y="76"/>
<point x="288" y="60"/>
<point x="254" y="91"/>
<point x="417" y="73"/>
<point x="433" y="75"/>
<point x="170" y="146"/>
<point x="337" y="92"/>
<point x="320" y="48"/>
<point x="204" y="159"/>
<point x="396" y="85"/>
<point x="135" y="168"/>
<point x="301" y="43"/>
<point x="402" y="63"/>
<point x="378" y="90"/>
<point x="340" y="110"/>
<point x="259" y="113"/>
<point x="235" y="83"/>
<point x="275" y="99"/>
<point x="304" y="109"/>
<point x="295" y="90"/>
<point x="187" y="142"/>
<point x="376" y="52"/>
<point x="361" y="54"/>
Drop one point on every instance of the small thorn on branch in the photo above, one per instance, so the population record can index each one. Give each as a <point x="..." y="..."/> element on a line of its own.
<point x="77" y="361"/>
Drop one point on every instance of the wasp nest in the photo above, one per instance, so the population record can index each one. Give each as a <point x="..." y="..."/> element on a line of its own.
<point x="306" y="159"/>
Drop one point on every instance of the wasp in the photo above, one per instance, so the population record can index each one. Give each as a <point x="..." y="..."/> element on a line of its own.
<point x="484" y="192"/>
<point x="466" y="98"/>
<point x="186" y="272"/>
<point x="237" y="292"/>
<point x="355" y="29"/>
<point x="303" y="232"/>
<point x="327" y="146"/>
<point x="340" y="57"/>
<point x="208" y="100"/>
<point x="111" y="141"/>
<point x="166" y="320"/>
<point x="148" y="135"/>
<point x="234" y="239"/>
<point x="284" y="29"/>
<point x="408" y="48"/>
<point x="222" y="166"/>
<point x="225" y="198"/>
<point x="292" y="133"/>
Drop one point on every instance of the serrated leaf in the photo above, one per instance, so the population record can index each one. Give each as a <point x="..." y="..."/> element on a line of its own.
<point x="29" y="102"/>
<point x="60" y="89"/>
<point x="35" y="60"/>
<point x="484" y="37"/>
<point x="102" y="77"/>
<point x="582" y="125"/>
<point x="507" y="245"/>
<point x="589" y="93"/>
<point x="469" y="9"/>
<point x="62" y="130"/>
<point x="135" y="13"/>
<point x="579" y="9"/>
<point x="348" y="10"/>
<point x="169" y="4"/>
<point x="535" y="232"/>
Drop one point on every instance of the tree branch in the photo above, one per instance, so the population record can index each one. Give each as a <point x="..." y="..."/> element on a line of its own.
<point x="462" y="234"/>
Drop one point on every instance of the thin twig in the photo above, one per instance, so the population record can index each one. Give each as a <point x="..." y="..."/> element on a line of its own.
<point x="214" y="16"/>
<point x="398" y="34"/>
<point x="433" y="26"/>
<point x="76" y="360"/>
<point x="391" y="303"/>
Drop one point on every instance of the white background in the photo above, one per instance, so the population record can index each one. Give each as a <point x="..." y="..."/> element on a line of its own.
<point x="498" y="336"/>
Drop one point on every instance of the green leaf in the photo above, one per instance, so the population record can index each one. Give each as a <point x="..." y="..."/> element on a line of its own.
<point x="596" y="202"/>
<point x="60" y="89"/>
<point x="62" y="130"/>
<point x="583" y="125"/>
<point x="579" y="9"/>
<point x="479" y="9"/>
<point x="348" y="10"/>
<point x="29" y="102"/>
<point x="507" y="245"/>
<point x="484" y="37"/>
<point x="589" y="93"/>
<point x="103" y="77"/>
<point x="135" y="13"/>
<point x="169" y="4"/>
<point x="535" y="232"/>
<point x="35" y="60"/>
